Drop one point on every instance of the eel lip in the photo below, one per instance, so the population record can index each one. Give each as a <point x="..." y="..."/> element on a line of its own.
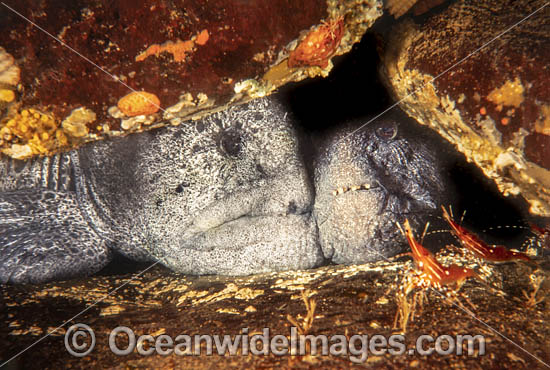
<point x="255" y="202"/>
<point x="249" y="245"/>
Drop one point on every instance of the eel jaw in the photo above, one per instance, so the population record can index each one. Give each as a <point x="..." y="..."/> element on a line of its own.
<point x="345" y="189"/>
<point x="262" y="229"/>
<point x="356" y="223"/>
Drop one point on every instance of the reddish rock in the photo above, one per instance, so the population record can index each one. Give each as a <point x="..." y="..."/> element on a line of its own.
<point x="194" y="56"/>
<point x="113" y="34"/>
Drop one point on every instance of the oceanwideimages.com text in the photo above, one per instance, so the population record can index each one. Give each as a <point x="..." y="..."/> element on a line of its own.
<point x="80" y="340"/>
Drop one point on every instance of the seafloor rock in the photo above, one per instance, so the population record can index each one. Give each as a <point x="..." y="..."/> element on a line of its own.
<point x="189" y="57"/>
<point x="478" y="73"/>
<point x="336" y="300"/>
<point x="398" y="8"/>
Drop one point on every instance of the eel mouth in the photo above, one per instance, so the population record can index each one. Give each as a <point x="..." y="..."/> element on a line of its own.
<point x="357" y="222"/>
<point x="262" y="229"/>
<point x="248" y="245"/>
<point x="268" y="200"/>
<point x="352" y="188"/>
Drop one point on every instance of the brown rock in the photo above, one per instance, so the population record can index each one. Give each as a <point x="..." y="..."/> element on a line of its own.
<point x="494" y="104"/>
<point x="398" y="8"/>
<point x="336" y="300"/>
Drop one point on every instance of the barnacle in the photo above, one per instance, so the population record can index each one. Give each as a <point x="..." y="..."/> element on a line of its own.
<point x="139" y="103"/>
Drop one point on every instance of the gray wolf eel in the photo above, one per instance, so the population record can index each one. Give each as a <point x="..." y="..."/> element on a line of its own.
<point x="227" y="194"/>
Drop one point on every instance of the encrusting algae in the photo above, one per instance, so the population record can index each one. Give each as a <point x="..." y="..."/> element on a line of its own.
<point x="6" y="96"/>
<point x="179" y="49"/>
<point x="188" y="56"/>
<point x="31" y="132"/>
<point x="76" y="123"/>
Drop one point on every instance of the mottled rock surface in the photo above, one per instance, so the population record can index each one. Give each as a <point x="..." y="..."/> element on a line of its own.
<point x="189" y="57"/>
<point x="349" y="300"/>
<point x="398" y="8"/>
<point x="494" y="106"/>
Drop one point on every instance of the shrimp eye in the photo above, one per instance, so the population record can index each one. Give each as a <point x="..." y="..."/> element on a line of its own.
<point x="387" y="131"/>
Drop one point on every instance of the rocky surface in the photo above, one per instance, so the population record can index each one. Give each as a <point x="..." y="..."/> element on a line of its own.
<point x="494" y="105"/>
<point x="344" y="300"/>
<point x="185" y="58"/>
<point x="398" y="8"/>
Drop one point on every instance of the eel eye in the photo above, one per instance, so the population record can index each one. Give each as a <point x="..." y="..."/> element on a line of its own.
<point x="230" y="143"/>
<point x="387" y="131"/>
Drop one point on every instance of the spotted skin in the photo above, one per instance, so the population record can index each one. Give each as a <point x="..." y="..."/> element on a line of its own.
<point x="368" y="179"/>
<point x="228" y="194"/>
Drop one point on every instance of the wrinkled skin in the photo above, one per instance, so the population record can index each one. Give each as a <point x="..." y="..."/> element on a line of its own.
<point x="228" y="194"/>
<point x="400" y="178"/>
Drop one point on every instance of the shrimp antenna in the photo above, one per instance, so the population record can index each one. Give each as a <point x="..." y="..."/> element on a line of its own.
<point x="463" y="215"/>
<point x="400" y="228"/>
<point x="451" y="211"/>
<point x="424" y="232"/>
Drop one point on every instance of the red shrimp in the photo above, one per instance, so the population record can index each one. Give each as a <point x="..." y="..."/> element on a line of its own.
<point x="491" y="253"/>
<point x="433" y="272"/>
